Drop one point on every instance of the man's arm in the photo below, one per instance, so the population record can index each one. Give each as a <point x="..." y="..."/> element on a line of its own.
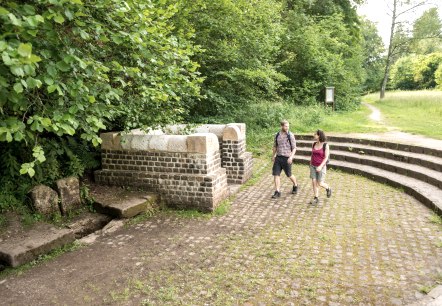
<point x="293" y="142"/>
<point x="274" y="153"/>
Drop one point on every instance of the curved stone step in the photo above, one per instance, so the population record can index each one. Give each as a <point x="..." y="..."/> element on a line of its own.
<point x="418" y="172"/>
<point x="420" y="159"/>
<point x="378" y="143"/>
<point x="428" y="194"/>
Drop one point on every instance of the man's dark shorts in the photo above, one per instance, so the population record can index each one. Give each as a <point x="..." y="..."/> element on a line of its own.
<point x="281" y="164"/>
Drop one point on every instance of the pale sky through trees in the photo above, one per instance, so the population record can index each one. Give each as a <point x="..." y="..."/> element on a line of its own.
<point x="377" y="11"/>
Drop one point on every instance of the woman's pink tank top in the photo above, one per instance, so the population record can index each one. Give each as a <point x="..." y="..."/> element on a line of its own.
<point x="317" y="156"/>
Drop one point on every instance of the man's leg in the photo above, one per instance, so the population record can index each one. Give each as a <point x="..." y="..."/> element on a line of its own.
<point x="276" y="171"/>
<point x="288" y="172"/>
<point x="277" y="180"/>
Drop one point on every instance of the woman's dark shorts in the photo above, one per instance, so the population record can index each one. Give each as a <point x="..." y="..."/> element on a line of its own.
<point x="281" y="164"/>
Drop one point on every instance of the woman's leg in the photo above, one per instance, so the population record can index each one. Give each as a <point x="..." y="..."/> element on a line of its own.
<point x="323" y="185"/>
<point x="315" y="187"/>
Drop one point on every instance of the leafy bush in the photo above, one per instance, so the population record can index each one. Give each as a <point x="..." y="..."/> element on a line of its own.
<point x="70" y="68"/>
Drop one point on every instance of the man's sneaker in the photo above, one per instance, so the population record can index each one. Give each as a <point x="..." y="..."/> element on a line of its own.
<point x="277" y="194"/>
<point x="295" y="189"/>
<point x="314" y="201"/>
<point x="329" y="192"/>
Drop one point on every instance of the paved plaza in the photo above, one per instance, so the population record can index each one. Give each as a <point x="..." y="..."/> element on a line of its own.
<point x="369" y="244"/>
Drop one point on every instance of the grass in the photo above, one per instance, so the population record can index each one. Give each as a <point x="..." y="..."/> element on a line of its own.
<point x="263" y="123"/>
<point x="417" y="112"/>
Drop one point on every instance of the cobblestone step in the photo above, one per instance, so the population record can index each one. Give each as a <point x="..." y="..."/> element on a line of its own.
<point x="420" y="159"/>
<point x="380" y="144"/>
<point x="428" y="194"/>
<point x="414" y="171"/>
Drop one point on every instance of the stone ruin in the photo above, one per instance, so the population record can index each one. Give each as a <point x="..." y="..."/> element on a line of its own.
<point x="191" y="171"/>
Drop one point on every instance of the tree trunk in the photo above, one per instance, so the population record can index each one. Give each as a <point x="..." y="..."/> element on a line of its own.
<point x="390" y="51"/>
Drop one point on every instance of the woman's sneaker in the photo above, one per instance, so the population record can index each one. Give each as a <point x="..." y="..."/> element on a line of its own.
<point x="295" y="189"/>
<point x="314" y="201"/>
<point x="277" y="194"/>
<point x="329" y="192"/>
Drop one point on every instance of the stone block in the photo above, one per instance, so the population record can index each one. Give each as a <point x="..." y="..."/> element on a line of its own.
<point x="204" y="143"/>
<point x="28" y="245"/>
<point x="241" y="127"/>
<point x="121" y="203"/>
<point x="136" y="142"/>
<point x="436" y="292"/>
<point x="69" y="192"/>
<point x="177" y="144"/>
<point x="88" y="223"/>
<point x="232" y="133"/>
<point x="44" y="200"/>
<point x="159" y="143"/>
<point x="110" y="141"/>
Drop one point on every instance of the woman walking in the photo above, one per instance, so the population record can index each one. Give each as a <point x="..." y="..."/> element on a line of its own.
<point x="318" y="165"/>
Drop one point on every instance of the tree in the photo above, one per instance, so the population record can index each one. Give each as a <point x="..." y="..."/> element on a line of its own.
<point x="317" y="52"/>
<point x="240" y="39"/>
<point x="427" y="33"/>
<point x="372" y="48"/>
<point x="398" y="9"/>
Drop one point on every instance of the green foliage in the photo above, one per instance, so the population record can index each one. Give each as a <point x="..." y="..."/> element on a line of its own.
<point x="320" y="52"/>
<point x="372" y="48"/>
<point x="427" y="33"/>
<point x="240" y="39"/>
<point x="70" y="68"/>
<point x="402" y="73"/>
<point x="424" y="71"/>
<point x="416" y="72"/>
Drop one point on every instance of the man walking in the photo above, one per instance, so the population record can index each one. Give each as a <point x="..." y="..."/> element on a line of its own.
<point x="284" y="150"/>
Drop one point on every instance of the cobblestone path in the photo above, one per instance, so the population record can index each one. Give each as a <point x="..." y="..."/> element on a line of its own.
<point x="369" y="244"/>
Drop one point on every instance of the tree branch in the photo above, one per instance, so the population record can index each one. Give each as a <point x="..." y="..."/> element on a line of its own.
<point x="411" y="8"/>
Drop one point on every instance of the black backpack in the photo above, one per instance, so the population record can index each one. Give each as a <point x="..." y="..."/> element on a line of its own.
<point x="323" y="148"/>
<point x="288" y="137"/>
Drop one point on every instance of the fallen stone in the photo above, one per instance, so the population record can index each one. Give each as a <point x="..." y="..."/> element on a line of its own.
<point x="112" y="226"/>
<point x="89" y="239"/>
<point x="88" y="223"/>
<point x="44" y="200"/>
<point x="436" y="302"/>
<point x="69" y="191"/>
<point x="436" y="292"/>
<point x="121" y="203"/>
<point x="28" y="245"/>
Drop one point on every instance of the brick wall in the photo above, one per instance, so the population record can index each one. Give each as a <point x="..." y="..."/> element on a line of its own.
<point x="237" y="162"/>
<point x="182" y="179"/>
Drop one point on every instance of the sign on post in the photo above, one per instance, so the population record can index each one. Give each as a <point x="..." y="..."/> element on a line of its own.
<point x="330" y="96"/>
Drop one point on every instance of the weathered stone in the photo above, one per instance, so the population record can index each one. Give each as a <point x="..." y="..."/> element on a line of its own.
<point x="232" y="133"/>
<point x="26" y="246"/>
<point x="202" y="143"/>
<point x="88" y="223"/>
<point x="44" y="200"/>
<point x="69" y="191"/>
<point x="121" y="203"/>
<point x="112" y="226"/>
<point x="177" y="144"/>
<point x="436" y="292"/>
<point x="436" y="302"/>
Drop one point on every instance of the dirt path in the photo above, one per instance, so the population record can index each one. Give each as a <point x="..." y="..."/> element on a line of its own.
<point x="368" y="244"/>
<point x="394" y="134"/>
